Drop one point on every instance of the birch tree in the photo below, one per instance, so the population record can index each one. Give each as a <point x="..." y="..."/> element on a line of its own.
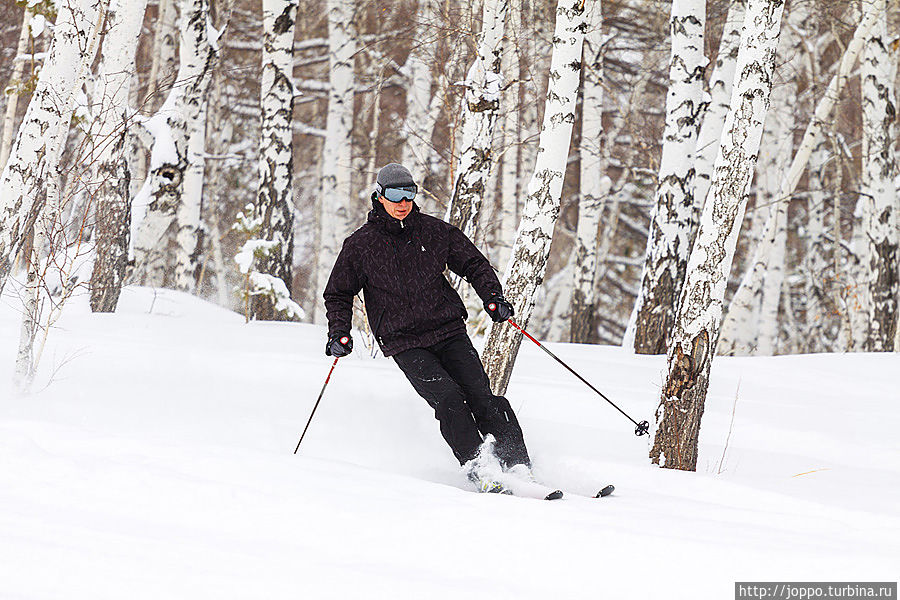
<point x="671" y="221"/>
<point x="38" y="145"/>
<point x="815" y="263"/>
<point x="510" y="102"/>
<point x="164" y="58"/>
<point x="480" y="109"/>
<point x="594" y="184"/>
<point x="700" y="307"/>
<point x="14" y="88"/>
<point x="721" y="83"/>
<point x="753" y="325"/>
<point x="528" y="264"/>
<point x="111" y="172"/>
<point x="26" y="365"/>
<point x="742" y="303"/>
<point x="417" y="150"/>
<point x="879" y="193"/>
<point x="159" y="237"/>
<point x="275" y="202"/>
<point x="337" y="151"/>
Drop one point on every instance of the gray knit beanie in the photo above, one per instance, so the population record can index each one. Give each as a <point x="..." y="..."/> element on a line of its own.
<point x="394" y="175"/>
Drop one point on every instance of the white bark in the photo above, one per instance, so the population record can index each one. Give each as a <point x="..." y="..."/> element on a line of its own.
<point x="720" y="85"/>
<point x="418" y="149"/>
<point x="111" y="174"/>
<point x="671" y="224"/>
<point x="12" y="97"/>
<point x="508" y="216"/>
<point x="751" y="325"/>
<point x="815" y="264"/>
<point x="879" y="194"/>
<point x="334" y="198"/>
<point x="41" y="137"/>
<point x="154" y="222"/>
<point x="33" y="292"/>
<point x="528" y="265"/>
<point x="700" y="307"/>
<point x="595" y="185"/>
<point x="535" y="49"/>
<point x="189" y="236"/>
<point x="165" y="50"/>
<point x="480" y="109"/>
<point x="812" y="137"/>
<point x="275" y="198"/>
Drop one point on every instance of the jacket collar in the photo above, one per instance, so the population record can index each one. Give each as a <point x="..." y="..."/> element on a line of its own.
<point x="381" y="219"/>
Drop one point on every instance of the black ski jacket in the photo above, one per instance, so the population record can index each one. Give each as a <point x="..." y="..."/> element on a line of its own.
<point x="399" y="266"/>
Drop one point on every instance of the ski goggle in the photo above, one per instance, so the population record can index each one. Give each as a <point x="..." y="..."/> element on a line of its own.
<point x="398" y="194"/>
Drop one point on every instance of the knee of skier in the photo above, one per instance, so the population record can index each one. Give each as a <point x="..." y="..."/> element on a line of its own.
<point x="449" y="400"/>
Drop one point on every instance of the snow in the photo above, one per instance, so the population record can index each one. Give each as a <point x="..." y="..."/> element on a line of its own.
<point x="38" y="24"/>
<point x="244" y="257"/>
<point x="154" y="460"/>
<point x="213" y="34"/>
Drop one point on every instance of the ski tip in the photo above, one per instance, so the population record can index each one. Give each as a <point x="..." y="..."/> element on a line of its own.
<point x="554" y="495"/>
<point x="605" y="491"/>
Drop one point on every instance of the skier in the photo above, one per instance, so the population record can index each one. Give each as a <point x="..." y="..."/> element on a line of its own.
<point x="398" y="258"/>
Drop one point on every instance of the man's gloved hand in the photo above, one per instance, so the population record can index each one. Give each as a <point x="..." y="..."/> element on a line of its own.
<point x="339" y="345"/>
<point x="498" y="308"/>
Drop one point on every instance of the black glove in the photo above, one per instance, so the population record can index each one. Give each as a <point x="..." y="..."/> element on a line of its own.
<point x="498" y="308"/>
<point x="339" y="345"/>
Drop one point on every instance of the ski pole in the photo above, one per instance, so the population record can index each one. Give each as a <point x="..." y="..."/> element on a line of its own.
<point x="641" y="428"/>
<point x="316" y="405"/>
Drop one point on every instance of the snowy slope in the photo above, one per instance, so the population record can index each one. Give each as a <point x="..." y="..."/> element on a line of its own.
<point x="154" y="460"/>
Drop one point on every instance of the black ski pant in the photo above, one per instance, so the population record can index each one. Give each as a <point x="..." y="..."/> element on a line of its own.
<point x="450" y="377"/>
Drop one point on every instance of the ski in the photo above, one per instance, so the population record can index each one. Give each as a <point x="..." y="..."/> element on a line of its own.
<point x="526" y="488"/>
<point x="605" y="491"/>
<point x="554" y="495"/>
<point x="512" y="485"/>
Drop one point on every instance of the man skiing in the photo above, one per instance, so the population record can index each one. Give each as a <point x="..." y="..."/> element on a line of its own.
<point x="398" y="258"/>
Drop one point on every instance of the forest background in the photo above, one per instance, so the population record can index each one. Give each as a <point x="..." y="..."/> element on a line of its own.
<point x="400" y="97"/>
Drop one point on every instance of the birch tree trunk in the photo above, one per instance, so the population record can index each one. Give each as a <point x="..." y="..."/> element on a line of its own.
<point x="417" y="151"/>
<point x="815" y="264"/>
<point x="534" y="49"/>
<point x="879" y="194"/>
<point x="334" y="198"/>
<point x="480" y="109"/>
<point x="38" y="145"/>
<point x="508" y="216"/>
<point x="751" y="327"/>
<point x="32" y="303"/>
<point x="594" y="184"/>
<point x="528" y="265"/>
<point x="155" y="226"/>
<point x="164" y="59"/>
<point x="743" y="299"/>
<point x="720" y="85"/>
<point x="15" y="82"/>
<point x="700" y="307"/>
<point x="189" y="226"/>
<point x="275" y="202"/>
<point x="112" y="197"/>
<point x="671" y="223"/>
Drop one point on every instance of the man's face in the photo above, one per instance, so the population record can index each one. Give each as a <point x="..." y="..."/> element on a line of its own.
<point x="398" y="210"/>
